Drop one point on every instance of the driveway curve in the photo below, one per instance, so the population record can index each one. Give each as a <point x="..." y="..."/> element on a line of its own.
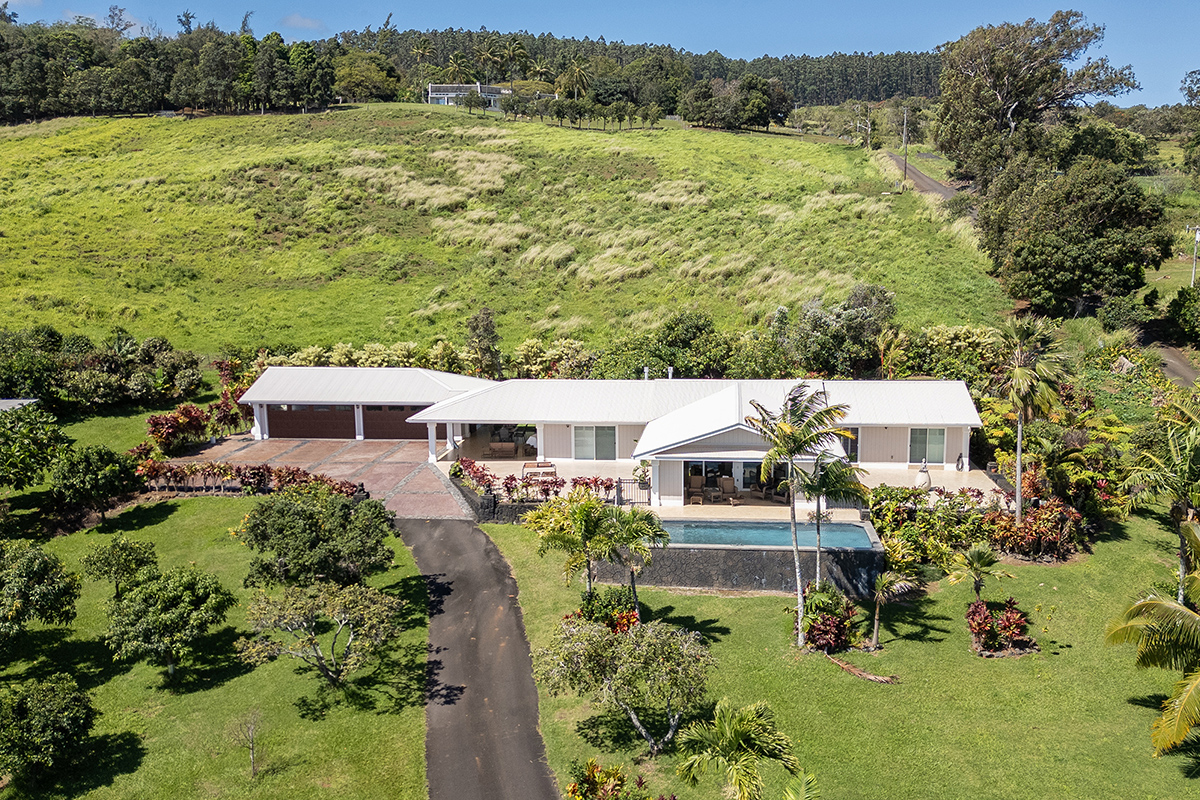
<point x="482" y="738"/>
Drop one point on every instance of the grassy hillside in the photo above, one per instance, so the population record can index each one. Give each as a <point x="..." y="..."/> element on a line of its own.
<point x="395" y="222"/>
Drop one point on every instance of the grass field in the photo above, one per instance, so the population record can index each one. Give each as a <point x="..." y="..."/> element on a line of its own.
<point x="395" y="222"/>
<point x="1070" y="722"/>
<point x="154" y="742"/>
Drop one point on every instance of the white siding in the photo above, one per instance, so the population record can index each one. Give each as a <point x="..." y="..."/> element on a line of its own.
<point x="627" y="436"/>
<point x="558" y="442"/>
<point x="670" y="483"/>
<point x="883" y="445"/>
<point x="954" y="446"/>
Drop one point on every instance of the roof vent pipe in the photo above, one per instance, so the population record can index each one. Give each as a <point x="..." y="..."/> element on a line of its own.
<point x="670" y="373"/>
<point x="645" y="373"/>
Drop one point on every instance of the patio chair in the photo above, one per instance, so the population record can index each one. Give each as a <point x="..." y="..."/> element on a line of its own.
<point x="728" y="488"/>
<point x="695" y="488"/>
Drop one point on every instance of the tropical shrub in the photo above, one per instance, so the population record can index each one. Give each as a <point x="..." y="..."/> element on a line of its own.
<point x="173" y="431"/>
<point x="43" y="726"/>
<point x="614" y="607"/>
<point x="1051" y="530"/>
<point x="995" y="631"/>
<point x="90" y="477"/>
<point x="828" y="617"/>
<point x="591" y="781"/>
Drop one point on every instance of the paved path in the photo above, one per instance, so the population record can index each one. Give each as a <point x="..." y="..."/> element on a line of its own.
<point x="482" y="715"/>
<point x="395" y="472"/>
<point x="481" y="712"/>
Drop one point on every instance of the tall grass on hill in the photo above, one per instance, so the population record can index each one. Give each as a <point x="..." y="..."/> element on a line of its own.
<point x="337" y="227"/>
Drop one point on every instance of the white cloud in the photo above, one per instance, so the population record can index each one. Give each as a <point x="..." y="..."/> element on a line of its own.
<point x="304" y="23"/>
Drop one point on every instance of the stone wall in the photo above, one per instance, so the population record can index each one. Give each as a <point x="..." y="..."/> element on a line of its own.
<point x="716" y="567"/>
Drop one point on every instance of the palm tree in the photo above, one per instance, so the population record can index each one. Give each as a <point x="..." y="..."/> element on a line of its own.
<point x="458" y="68"/>
<point x="1175" y="479"/>
<point x="1032" y="370"/>
<point x="630" y="534"/>
<point x="515" y="55"/>
<point x="734" y="742"/>
<point x="540" y="69"/>
<point x="576" y="524"/>
<point x="1167" y="634"/>
<point x="978" y="564"/>
<point x="487" y="54"/>
<point x="422" y="49"/>
<point x="577" y="76"/>
<point x="833" y="478"/>
<point x="805" y="426"/>
<point x="889" y="586"/>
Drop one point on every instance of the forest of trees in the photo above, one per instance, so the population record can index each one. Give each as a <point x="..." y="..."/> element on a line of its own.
<point x="87" y="66"/>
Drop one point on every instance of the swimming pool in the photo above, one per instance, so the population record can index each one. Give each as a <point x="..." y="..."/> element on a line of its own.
<point x="768" y="534"/>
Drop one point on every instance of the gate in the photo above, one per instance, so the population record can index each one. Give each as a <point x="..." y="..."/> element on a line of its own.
<point x="630" y="491"/>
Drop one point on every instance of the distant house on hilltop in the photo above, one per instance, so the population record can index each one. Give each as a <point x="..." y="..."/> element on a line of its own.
<point x="452" y="94"/>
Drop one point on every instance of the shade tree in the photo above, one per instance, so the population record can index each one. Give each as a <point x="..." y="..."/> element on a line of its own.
<point x="44" y="725"/>
<point x="335" y="630"/>
<point x="118" y="561"/>
<point x="29" y="440"/>
<point x="90" y="477"/>
<point x="649" y="667"/>
<point x="163" y="615"/>
<point x="34" y="585"/>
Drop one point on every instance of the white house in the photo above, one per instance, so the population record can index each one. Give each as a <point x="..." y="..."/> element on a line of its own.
<point x="452" y="94"/>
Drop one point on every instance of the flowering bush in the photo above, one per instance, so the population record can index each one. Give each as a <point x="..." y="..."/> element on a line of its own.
<point x="1050" y="530"/>
<point x="476" y="475"/>
<point x="590" y="781"/>
<point x="251" y="478"/>
<point x="996" y="631"/>
<point x="515" y="489"/>
<point x="614" y="608"/>
<point x="173" y="431"/>
<point x="828" y="617"/>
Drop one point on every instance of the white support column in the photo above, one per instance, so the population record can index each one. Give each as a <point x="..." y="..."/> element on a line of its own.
<point x="655" y="497"/>
<point x="966" y="449"/>
<point x="358" y="423"/>
<point x="541" y="437"/>
<point x="432" y="428"/>
<point x="260" y="429"/>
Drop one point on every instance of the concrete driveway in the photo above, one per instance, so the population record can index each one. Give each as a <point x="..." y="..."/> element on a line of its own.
<point x="395" y="472"/>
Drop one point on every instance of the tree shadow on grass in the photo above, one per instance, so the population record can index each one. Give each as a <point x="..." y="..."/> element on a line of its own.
<point x="1111" y="532"/>
<point x="88" y="661"/>
<point x="1189" y="751"/>
<point x="1151" y="701"/>
<point x="612" y="731"/>
<point x="406" y="677"/>
<point x="136" y="518"/>
<point x="424" y="597"/>
<point x="911" y="621"/>
<point x="104" y="758"/>
<point x="214" y="664"/>
<point x="710" y="629"/>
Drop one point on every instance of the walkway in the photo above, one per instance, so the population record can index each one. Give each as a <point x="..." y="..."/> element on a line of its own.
<point x="481" y="714"/>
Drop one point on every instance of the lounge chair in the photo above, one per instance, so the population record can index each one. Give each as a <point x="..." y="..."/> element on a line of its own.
<point x="695" y="489"/>
<point x="728" y="487"/>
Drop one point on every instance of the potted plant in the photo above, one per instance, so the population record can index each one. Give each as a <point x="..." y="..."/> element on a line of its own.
<point x="642" y="473"/>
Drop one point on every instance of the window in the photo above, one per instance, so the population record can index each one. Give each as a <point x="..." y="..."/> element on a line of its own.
<point x="928" y="444"/>
<point x="596" y="442"/>
<point x="751" y="473"/>
<point x="372" y="408"/>
<point x="850" y="445"/>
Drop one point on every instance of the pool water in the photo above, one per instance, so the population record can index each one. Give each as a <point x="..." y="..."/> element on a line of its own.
<point x="768" y="534"/>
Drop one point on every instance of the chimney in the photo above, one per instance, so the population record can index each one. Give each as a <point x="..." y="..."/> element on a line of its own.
<point x="645" y="373"/>
<point x="670" y="373"/>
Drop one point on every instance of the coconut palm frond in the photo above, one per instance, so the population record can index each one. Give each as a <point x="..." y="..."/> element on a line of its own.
<point x="1181" y="714"/>
<point x="802" y="787"/>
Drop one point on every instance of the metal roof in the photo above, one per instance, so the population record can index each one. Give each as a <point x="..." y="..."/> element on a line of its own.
<point x="358" y="385"/>
<point x="6" y="405"/>
<point x="719" y="404"/>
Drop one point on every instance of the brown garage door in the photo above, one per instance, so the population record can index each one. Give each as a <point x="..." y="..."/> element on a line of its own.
<point x="390" y="422"/>
<point x="310" y="422"/>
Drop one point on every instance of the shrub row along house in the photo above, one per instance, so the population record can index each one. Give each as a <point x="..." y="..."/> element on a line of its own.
<point x="683" y="428"/>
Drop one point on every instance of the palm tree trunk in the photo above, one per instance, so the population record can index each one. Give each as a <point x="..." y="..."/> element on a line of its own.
<point x="875" y="632"/>
<point x="589" y="575"/>
<point x="1020" y="436"/>
<point x="637" y="609"/>
<point x="1183" y="559"/>
<point x="796" y="557"/>
<point x="818" y="481"/>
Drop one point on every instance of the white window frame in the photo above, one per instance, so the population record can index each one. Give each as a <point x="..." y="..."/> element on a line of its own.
<point x="616" y="443"/>
<point x="910" y="446"/>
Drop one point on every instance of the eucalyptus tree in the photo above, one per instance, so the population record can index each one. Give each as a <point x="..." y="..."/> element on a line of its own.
<point x="1033" y="367"/>
<point x="805" y="426"/>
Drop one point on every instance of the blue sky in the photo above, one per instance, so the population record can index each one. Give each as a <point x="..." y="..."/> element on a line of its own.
<point x="1157" y="37"/>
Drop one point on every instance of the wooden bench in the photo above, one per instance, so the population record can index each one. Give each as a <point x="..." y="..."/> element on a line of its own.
<point x="539" y="469"/>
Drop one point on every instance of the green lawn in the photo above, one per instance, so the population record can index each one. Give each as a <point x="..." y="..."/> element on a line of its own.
<point x="394" y="222"/>
<point x="155" y="742"/>
<point x="1072" y="721"/>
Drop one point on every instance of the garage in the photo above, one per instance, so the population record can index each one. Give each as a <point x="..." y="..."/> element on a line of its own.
<point x="391" y="422"/>
<point x="350" y="402"/>
<point x="291" y="421"/>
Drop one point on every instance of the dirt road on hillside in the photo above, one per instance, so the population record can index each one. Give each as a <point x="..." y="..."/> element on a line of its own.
<point x="923" y="182"/>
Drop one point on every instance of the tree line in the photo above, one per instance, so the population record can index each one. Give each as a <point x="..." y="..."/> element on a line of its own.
<point x="89" y="66"/>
